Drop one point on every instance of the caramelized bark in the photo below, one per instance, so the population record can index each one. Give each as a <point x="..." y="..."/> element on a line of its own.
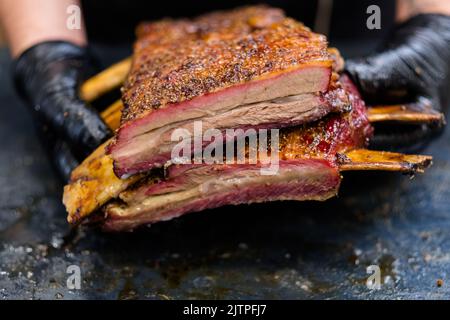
<point x="177" y="60"/>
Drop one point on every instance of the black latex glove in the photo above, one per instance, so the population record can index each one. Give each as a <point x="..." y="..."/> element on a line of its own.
<point x="48" y="76"/>
<point x="413" y="66"/>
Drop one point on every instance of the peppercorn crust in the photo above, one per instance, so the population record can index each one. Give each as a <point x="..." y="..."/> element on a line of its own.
<point x="178" y="60"/>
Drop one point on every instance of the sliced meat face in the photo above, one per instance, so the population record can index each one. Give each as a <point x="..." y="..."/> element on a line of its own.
<point x="205" y="187"/>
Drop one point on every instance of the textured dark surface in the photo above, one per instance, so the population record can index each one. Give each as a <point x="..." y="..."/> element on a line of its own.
<point x="280" y="250"/>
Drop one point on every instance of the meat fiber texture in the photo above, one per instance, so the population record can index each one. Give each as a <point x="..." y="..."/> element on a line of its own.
<point x="217" y="68"/>
<point x="308" y="170"/>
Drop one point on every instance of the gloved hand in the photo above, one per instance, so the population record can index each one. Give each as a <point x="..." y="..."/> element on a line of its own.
<point x="413" y="66"/>
<point x="48" y="76"/>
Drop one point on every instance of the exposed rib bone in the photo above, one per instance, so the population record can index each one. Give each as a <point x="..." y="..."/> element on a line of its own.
<point x="403" y="113"/>
<point x="363" y="159"/>
<point x="112" y="114"/>
<point x="107" y="80"/>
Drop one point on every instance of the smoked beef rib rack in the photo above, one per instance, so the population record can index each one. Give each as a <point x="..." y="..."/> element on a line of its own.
<point x="251" y="67"/>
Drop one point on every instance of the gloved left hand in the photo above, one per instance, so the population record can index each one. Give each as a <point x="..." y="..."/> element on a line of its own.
<point x="48" y="76"/>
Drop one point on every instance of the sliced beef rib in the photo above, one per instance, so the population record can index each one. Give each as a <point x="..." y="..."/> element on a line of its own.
<point x="213" y="67"/>
<point x="308" y="170"/>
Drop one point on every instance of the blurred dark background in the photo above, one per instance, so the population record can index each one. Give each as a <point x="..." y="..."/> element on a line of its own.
<point x="113" y="22"/>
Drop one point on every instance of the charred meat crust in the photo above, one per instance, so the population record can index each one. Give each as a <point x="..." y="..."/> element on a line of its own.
<point x="177" y="60"/>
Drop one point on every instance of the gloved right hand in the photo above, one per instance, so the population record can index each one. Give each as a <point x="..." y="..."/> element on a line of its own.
<point x="413" y="67"/>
